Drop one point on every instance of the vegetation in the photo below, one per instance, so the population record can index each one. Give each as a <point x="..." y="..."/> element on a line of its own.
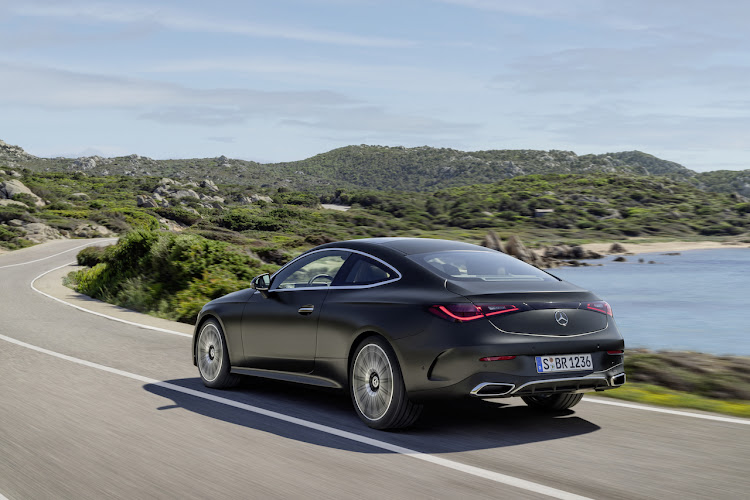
<point x="167" y="274"/>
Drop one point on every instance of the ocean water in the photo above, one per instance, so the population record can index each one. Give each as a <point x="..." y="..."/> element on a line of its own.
<point x="698" y="300"/>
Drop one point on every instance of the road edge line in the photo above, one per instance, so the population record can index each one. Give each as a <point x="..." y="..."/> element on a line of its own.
<point x="107" y="316"/>
<point x="671" y="412"/>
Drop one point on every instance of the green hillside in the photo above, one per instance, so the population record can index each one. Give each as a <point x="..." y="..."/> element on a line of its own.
<point x="371" y="167"/>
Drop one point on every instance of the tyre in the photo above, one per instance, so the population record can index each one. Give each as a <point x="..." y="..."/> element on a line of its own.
<point x="377" y="387"/>
<point x="213" y="358"/>
<point x="553" y="402"/>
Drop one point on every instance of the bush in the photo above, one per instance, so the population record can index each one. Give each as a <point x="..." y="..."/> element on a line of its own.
<point x="91" y="256"/>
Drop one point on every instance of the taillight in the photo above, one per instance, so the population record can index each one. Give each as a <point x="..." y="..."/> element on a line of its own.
<point x="615" y="353"/>
<point x="470" y="312"/>
<point x="459" y="312"/>
<point x="497" y="358"/>
<point x="599" y="306"/>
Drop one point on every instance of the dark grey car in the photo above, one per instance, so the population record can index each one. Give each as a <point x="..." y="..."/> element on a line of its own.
<point x="400" y="321"/>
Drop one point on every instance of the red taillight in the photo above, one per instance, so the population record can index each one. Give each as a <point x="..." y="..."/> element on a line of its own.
<point x="614" y="353"/>
<point x="470" y="312"/>
<point x="459" y="312"/>
<point x="497" y="358"/>
<point x="599" y="306"/>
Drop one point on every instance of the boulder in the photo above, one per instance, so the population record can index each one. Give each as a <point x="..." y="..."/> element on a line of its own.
<point x="517" y="249"/>
<point x="493" y="241"/>
<point x="209" y="184"/>
<point x="5" y="203"/>
<point x="146" y="201"/>
<point x="90" y="230"/>
<point x="570" y="252"/>
<point x="185" y="193"/>
<point x="38" y="232"/>
<point x="80" y="196"/>
<point x="166" y="181"/>
<point x="259" y="197"/>
<point x="620" y="259"/>
<point x="10" y="188"/>
<point x="617" y="248"/>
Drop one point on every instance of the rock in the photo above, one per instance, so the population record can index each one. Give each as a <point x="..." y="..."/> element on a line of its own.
<point x="16" y="222"/>
<point x="8" y="189"/>
<point x="259" y="197"/>
<point x="15" y="174"/>
<point x="38" y="232"/>
<point x="617" y="248"/>
<point x="156" y="196"/>
<point x="244" y="200"/>
<point x="671" y="253"/>
<point x="14" y="203"/>
<point x="84" y="163"/>
<point x="493" y="241"/>
<point x="166" y="181"/>
<point x="517" y="249"/>
<point x="570" y="252"/>
<point x="91" y="231"/>
<point x="80" y="196"/>
<point x="209" y="184"/>
<point x="172" y="225"/>
<point x="145" y="201"/>
<point x="185" y="193"/>
<point x="620" y="259"/>
<point x="2" y="172"/>
<point x="652" y="262"/>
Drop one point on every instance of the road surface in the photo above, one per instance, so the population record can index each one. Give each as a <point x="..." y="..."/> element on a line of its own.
<point x="91" y="407"/>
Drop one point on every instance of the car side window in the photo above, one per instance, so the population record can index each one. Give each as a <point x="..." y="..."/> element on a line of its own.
<point x="366" y="271"/>
<point x="314" y="270"/>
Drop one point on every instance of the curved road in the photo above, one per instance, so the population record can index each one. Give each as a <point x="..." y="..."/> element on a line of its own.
<point x="93" y="408"/>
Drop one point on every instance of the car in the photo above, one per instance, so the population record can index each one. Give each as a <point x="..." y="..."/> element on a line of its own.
<point x="399" y="322"/>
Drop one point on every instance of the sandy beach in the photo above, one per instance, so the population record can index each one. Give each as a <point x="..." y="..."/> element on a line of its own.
<point x="666" y="246"/>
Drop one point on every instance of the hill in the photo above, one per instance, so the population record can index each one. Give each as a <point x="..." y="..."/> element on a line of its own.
<point x="372" y="167"/>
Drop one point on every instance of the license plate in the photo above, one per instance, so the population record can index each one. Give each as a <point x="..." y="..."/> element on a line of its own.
<point x="563" y="363"/>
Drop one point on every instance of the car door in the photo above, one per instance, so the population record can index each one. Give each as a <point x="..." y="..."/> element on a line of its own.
<point x="279" y="331"/>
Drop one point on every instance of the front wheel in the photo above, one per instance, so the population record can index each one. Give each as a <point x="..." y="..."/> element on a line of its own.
<point x="213" y="357"/>
<point x="553" y="402"/>
<point x="377" y="387"/>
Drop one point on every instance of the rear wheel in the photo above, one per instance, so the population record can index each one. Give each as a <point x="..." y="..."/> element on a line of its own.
<point x="553" y="402"/>
<point x="377" y="387"/>
<point x="213" y="358"/>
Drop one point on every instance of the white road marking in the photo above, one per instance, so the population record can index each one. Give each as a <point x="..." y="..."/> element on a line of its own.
<point x="671" y="412"/>
<point x="468" y="469"/>
<point x="133" y="323"/>
<point x="55" y="255"/>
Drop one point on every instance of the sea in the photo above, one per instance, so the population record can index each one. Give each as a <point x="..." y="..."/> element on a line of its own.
<point x="698" y="300"/>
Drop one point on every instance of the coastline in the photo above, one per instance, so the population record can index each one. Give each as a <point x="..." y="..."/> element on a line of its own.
<point x="665" y="246"/>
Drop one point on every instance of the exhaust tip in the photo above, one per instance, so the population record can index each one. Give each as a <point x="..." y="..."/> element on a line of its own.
<point x="489" y="389"/>
<point x="618" y="379"/>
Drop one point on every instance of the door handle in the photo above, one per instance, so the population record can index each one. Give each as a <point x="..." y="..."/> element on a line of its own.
<point x="306" y="309"/>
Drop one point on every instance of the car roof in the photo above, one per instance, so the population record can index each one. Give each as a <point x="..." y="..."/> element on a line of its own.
<point x="408" y="246"/>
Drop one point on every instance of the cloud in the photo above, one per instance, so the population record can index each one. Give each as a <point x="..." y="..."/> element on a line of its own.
<point x="167" y="103"/>
<point x="181" y="20"/>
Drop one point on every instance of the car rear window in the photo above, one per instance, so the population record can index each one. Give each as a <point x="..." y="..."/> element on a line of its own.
<point x="479" y="266"/>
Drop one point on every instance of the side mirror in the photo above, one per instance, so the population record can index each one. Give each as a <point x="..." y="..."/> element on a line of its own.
<point x="262" y="283"/>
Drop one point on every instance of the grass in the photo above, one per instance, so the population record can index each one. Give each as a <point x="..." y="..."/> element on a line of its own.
<point x="662" y="396"/>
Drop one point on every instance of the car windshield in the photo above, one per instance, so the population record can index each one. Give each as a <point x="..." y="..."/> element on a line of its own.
<point x="479" y="266"/>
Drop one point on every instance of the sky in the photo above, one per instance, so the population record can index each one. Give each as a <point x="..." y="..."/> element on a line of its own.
<point x="284" y="80"/>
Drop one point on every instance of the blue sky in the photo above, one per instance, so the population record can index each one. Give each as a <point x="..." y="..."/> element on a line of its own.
<point x="287" y="79"/>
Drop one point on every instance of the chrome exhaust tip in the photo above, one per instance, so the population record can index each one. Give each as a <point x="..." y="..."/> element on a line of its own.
<point x="617" y="380"/>
<point x="490" y="389"/>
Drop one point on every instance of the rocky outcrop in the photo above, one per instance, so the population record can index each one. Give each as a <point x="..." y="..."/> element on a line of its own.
<point x="617" y="248"/>
<point x="209" y="184"/>
<point x="90" y="230"/>
<point x="9" y="189"/>
<point x="493" y="241"/>
<point x="36" y="232"/>
<point x="6" y="203"/>
<point x="562" y="252"/>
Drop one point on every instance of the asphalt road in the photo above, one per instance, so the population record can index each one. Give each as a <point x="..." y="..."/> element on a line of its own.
<point x="94" y="408"/>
